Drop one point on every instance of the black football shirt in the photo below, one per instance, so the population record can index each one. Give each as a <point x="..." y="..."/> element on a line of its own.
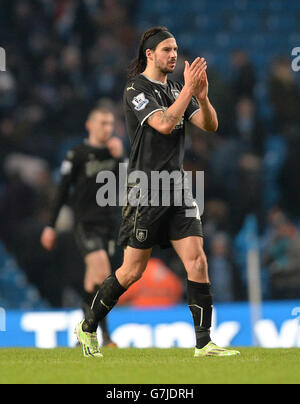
<point x="79" y="170"/>
<point x="151" y="150"/>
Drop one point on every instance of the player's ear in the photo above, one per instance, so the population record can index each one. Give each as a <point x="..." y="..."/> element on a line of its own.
<point x="149" y="54"/>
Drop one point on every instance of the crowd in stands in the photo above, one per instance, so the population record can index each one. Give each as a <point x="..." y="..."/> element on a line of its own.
<point x="65" y="55"/>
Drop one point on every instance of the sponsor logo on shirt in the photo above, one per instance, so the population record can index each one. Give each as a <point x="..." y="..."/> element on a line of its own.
<point x="93" y="167"/>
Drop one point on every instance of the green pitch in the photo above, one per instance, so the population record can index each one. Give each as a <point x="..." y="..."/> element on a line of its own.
<point x="147" y="366"/>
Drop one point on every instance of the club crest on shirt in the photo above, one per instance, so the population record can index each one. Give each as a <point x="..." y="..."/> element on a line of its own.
<point x="141" y="235"/>
<point x="140" y="102"/>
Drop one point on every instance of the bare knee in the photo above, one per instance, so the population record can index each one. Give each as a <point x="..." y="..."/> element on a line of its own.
<point x="128" y="276"/>
<point x="134" y="265"/>
<point x="197" y="268"/>
<point x="135" y="275"/>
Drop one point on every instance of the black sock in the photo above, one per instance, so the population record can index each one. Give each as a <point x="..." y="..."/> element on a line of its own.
<point x="88" y="300"/>
<point x="86" y="306"/>
<point x="200" y="303"/>
<point x="105" y="299"/>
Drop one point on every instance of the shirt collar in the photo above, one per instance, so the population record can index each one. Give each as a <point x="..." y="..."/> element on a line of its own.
<point x="154" y="81"/>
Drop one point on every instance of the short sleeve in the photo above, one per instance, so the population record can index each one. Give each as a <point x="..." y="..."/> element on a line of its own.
<point x="141" y="101"/>
<point x="192" y="109"/>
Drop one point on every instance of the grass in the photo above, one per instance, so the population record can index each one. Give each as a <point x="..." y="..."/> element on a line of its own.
<point x="148" y="366"/>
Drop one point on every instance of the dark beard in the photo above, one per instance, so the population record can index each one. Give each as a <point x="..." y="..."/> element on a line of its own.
<point x="167" y="71"/>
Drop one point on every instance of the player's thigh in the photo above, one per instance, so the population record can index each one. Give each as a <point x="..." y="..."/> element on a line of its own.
<point x="90" y="239"/>
<point x="190" y="251"/>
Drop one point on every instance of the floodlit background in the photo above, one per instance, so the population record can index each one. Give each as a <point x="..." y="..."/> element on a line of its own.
<point x="63" y="56"/>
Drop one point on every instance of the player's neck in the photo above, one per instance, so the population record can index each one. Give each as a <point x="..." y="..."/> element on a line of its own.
<point x="155" y="75"/>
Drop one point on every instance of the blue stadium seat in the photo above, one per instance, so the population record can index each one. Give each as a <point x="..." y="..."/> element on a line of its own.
<point x="15" y="291"/>
<point x="275" y="153"/>
<point x="281" y="23"/>
<point x="210" y="25"/>
<point x="245" y="24"/>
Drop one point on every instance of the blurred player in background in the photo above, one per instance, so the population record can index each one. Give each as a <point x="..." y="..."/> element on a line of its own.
<point x="156" y="111"/>
<point x="94" y="226"/>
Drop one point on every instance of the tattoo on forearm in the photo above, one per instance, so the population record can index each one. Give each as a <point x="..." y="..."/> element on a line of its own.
<point x="165" y="117"/>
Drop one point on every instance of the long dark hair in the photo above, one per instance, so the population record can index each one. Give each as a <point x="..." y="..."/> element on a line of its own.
<point x="139" y="64"/>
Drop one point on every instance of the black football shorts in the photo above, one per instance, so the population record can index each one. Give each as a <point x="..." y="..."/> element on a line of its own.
<point x="143" y="227"/>
<point x="91" y="237"/>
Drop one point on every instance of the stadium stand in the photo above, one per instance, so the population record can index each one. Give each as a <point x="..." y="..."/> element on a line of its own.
<point x="15" y="290"/>
<point x="63" y="59"/>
